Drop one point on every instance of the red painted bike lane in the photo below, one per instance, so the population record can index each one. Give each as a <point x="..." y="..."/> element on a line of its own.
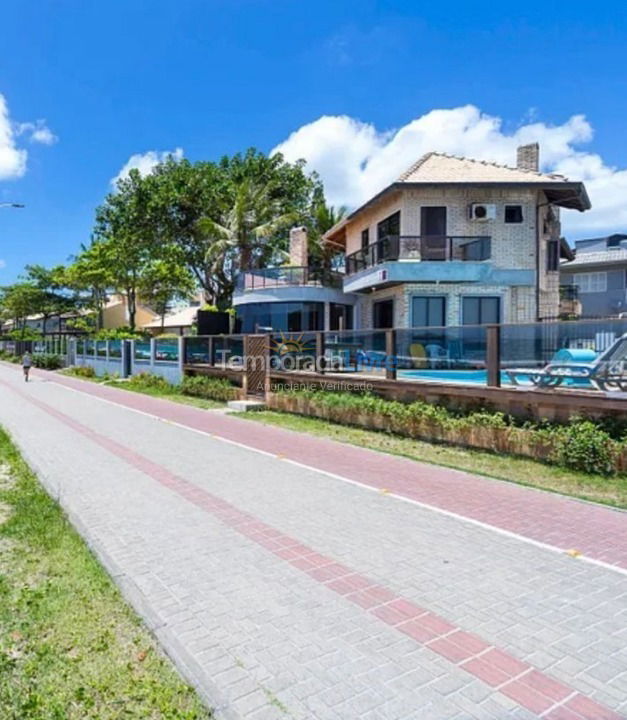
<point x="599" y="533"/>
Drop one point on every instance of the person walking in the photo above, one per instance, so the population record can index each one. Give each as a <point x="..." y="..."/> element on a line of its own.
<point x="27" y="363"/>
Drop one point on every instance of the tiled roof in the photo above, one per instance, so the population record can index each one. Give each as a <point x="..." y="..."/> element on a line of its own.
<point x="600" y="257"/>
<point x="438" y="167"/>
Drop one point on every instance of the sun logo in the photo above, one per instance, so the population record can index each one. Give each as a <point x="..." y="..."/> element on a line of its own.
<point x="286" y="345"/>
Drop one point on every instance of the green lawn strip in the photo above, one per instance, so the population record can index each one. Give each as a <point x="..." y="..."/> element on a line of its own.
<point x="70" y="646"/>
<point x="607" y="490"/>
<point x="201" y="403"/>
<point x="174" y="396"/>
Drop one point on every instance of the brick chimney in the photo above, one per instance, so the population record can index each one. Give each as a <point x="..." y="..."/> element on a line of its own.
<point x="299" y="255"/>
<point x="528" y="157"/>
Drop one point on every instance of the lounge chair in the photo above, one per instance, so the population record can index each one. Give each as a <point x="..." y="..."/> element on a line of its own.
<point x="607" y="371"/>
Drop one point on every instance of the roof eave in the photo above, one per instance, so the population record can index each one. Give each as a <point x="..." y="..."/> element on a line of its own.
<point x="575" y="198"/>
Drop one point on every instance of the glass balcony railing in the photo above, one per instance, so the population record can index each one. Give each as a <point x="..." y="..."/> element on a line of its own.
<point x="422" y="248"/>
<point x="287" y="276"/>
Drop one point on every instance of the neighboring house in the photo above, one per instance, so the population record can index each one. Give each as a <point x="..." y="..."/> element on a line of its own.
<point x="115" y="314"/>
<point x="597" y="276"/>
<point x="457" y="241"/>
<point x="54" y="324"/>
<point x="294" y="298"/>
<point x="179" y="322"/>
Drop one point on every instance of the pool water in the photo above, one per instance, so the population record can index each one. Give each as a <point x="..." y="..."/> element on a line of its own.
<point x="470" y="377"/>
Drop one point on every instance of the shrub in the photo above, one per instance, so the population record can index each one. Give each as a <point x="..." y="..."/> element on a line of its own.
<point x="82" y="371"/>
<point x="47" y="361"/>
<point x="121" y="333"/>
<point x="208" y="388"/>
<point x="9" y="356"/>
<point x="149" y="381"/>
<point x="582" y="445"/>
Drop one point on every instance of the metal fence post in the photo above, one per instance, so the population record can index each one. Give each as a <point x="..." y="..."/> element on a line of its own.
<point x="493" y="355"/>
<point x="182" y="340"/>
<point x="390" y="355"/>
<point x="211" y="351"/>
<point x="320" y="363"/>
<point x="153" y="350"/>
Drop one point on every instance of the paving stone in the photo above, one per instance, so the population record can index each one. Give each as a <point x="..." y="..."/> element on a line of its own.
<point x="268" y="636"/>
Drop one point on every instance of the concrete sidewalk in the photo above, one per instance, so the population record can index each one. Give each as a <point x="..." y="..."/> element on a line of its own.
<point x="284" y="592"/>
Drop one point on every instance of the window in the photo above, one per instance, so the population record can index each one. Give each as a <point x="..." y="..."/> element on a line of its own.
<point x="391" y="226"/>
<point x="513" y="214"/>
<point x="553" y="255"/>
<point x="428" y="311"/>
<point x="433" y="221"/>
<point x="591" y="282"/>
<point x="341" y="317"/>
<point x="365" y="238"/>
<point x="281" y="316"/>
<point x="481" y="310"/>
<point x="383" y="314"/>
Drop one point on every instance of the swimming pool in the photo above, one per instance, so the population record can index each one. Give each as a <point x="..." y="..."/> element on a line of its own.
<point x="470" y="377"/>
<point x="466" y="377"/>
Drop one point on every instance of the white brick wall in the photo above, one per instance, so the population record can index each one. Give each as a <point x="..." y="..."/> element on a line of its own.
<point x="517" y="303"/>
<point x="513" y="246"/>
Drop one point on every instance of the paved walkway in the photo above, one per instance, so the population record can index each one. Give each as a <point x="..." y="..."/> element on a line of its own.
<point x="284" y="591"/>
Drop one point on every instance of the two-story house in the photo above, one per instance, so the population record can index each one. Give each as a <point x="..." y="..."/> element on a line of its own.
<point x="597" y="277"/>
<point x="456" y="241"/>
<point x="453" y="241"/>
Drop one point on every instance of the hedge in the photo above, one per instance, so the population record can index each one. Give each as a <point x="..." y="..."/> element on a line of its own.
<point x="581" y="445"/>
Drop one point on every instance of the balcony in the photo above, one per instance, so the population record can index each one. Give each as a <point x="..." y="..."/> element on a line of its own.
<point x="282" y="277"/>
<point x="420" y="248"/>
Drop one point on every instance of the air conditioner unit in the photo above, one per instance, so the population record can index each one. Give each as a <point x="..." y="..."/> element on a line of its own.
<point x="482" y="212"/>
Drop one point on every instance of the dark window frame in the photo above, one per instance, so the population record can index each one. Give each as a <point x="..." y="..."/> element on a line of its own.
<point x="347" y="312"/>
<point x="518" y="214"/>
<point x="365" y="238"/>
<point x="441" y="298"/>
<point x="552" y="255"/>
<point x="375" y="305"/>
<point x="389" y="226"/>
<point x="480" y="299"/>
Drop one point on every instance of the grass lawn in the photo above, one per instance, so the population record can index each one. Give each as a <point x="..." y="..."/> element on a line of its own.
<point x="160" y="392"/>
<point x="607" y="490"/>
<point x="70" y="646"/>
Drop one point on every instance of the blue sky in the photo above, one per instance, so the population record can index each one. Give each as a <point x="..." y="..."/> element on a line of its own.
<point x="116" y="79"/>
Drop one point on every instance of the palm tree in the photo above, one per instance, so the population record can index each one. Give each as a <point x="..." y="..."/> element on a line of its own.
<point x="245" y="235"/>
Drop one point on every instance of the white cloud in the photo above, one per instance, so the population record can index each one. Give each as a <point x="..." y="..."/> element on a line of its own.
<point x="355" y="160"/>
<point x="145" y="162"/>
<point x="3" y="263"/>
<point x="37" y="132"/>
<point x="12" y="159"/>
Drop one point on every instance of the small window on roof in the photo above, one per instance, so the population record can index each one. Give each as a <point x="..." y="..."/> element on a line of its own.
<point x="513" y="214"/>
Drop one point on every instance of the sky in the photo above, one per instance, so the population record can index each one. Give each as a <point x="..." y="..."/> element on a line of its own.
<point x="89" y="89"/>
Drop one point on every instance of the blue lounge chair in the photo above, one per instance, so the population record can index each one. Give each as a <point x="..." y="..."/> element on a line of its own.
<point x="607" y="371"/>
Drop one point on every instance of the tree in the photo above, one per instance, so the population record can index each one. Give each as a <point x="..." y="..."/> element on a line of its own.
<point x="52" y="298"/>
<point x="163" y="282"/>
<point x="90" y="278"/>
<point x="17" y="302"/>
<point x="323" y="218"/>
<point x="231" y="215"/>
<point x="126" y="239"/>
